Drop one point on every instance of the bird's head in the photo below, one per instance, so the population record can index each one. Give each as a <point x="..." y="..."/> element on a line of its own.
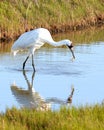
<point x="70" y="46"/>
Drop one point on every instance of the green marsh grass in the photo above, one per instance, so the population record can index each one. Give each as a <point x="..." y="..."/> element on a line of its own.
<point x="81" y="118"/>
<point x="17" y="16"/>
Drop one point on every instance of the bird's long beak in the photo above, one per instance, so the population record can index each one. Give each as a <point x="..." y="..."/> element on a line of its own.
<point x="71" y="49"/>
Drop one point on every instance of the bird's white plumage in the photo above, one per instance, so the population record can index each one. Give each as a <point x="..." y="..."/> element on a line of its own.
<point x="31" y="40"/>
<point x="34" y="39"/>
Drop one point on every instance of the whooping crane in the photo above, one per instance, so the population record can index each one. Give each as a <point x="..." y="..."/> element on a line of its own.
<point x="34" y="39"/>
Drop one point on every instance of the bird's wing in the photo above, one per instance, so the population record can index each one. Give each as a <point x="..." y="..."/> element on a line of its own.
<point x="25" y="40"/>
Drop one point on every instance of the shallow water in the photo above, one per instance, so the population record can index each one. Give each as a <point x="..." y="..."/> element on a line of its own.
<point x="56" y="74"/>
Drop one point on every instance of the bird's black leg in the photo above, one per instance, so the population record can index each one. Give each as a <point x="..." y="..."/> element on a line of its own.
<point x="25" y="62"/>
<point x="33" y="62"/>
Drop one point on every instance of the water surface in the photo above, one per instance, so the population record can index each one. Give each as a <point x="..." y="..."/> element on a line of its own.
<point x="56" y="75"/>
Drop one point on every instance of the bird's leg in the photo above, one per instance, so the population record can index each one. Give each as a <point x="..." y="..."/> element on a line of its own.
<point x="25" y="62"/>
<point x="33" y="62"/>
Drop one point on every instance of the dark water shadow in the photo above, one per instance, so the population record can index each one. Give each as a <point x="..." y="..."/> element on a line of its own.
<point x="49" y="69"/>
<point x="19" y="69"/>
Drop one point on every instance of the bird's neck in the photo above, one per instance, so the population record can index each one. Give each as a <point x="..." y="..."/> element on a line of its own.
<point x="54" y="43"/>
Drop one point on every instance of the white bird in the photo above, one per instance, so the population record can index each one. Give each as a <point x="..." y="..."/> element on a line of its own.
<point x="33" y="40"/>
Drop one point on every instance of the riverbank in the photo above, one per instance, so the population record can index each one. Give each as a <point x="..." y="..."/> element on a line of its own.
<point x="87" y="118"/>
<point x="57" y="16"/>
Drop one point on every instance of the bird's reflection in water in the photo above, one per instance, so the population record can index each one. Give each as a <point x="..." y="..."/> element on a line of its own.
<point x="31" y="99"/>
<point x="60" y="101"/>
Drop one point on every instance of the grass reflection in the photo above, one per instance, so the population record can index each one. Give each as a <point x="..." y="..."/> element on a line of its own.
<point x="87" y="36"/>
<point x="5" y="47"/>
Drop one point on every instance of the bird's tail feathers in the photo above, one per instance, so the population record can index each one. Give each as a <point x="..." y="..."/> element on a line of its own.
<point x="14" y="52"/>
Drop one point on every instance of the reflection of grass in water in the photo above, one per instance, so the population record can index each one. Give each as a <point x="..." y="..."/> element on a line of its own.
<point x="5" y="47"/>
<point x="85" y="36"/>
<point x="78" y="37"/>
<point x="88" y="117"/>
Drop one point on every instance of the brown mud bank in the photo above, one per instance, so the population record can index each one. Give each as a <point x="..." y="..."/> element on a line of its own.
<point x="98" y="21"/>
